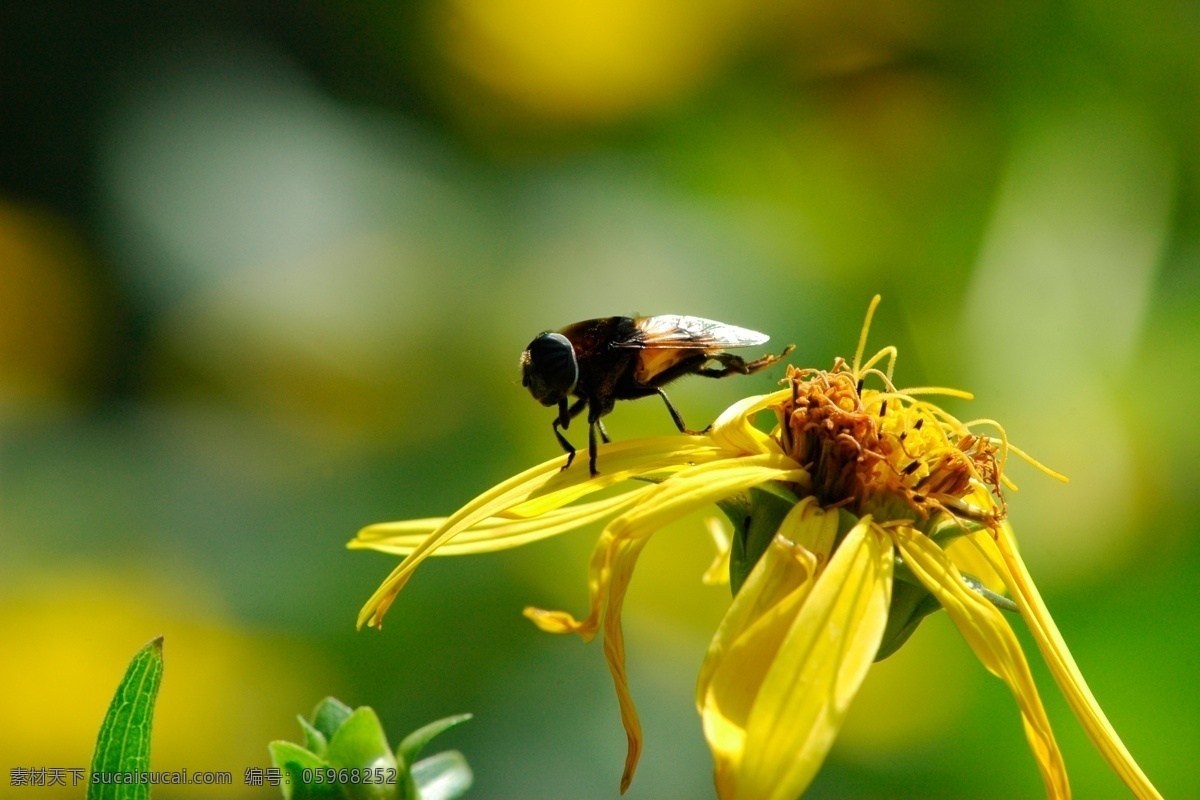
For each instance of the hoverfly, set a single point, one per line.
(600, 361)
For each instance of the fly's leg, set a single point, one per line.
(737, 364)
(595, 411)
(679, 419)
(563, 419)
(603, 433)
(567, 447)
(592, 449)
(731, 364)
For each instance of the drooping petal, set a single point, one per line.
(492, 534)
(817, 671)
(540, 489)
(1002, 553)
(621, 543)
(624, 558)
(994, 643)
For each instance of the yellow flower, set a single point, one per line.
(891, 508)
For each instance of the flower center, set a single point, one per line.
(885, 453)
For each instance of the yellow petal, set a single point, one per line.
(1003, 554)
(685, 491)
(618, 461)
(734, 430)
(818, 669)
(702, 485)
(989, 635)
(540, 489)
(968, 559)
(811, 527)
(717, 573)
(966, 556)
(624, 559)
(492, 534)
(744, 647)
(621, 543)
(554, 621)
(800, 547)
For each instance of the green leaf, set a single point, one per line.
(444, 776)
(412, 745)
(360, 743)
(293, 760)
(329, 715)
(314, 740)
(124, 741)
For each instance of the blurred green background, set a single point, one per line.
(266, 269)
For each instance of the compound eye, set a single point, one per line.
(553, 365)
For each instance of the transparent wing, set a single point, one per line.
(674, 332)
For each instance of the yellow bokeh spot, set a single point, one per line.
(589, 60)
(68, 639)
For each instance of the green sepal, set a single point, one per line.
(293, 760)
(123, 744)
(412, 745)
(846, 523)
(737, 509)
(756, 516)
(943, 528)
(360, 743)
(911, 603)
(314, 740)
(444, 776)
(329, 715)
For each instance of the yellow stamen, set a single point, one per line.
(889, 352)
(862, 337)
